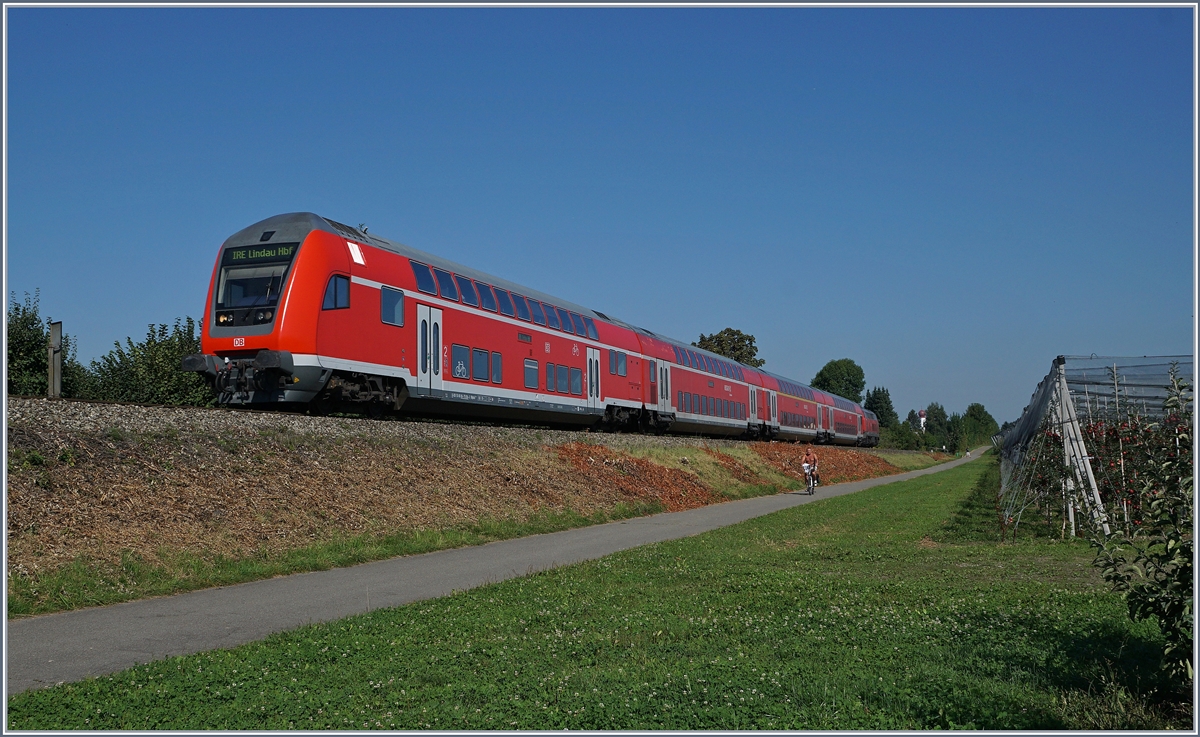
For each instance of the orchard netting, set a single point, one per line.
(1080, 444)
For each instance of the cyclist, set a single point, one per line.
(809, 464)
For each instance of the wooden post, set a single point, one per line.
(54, 362)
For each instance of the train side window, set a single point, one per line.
(577, 381)
(620, 364)
(460, 357)
(679, 401)
(580, 328)
(563, 380)
(549, 376)
(337, 294)
(591, 328)
(687, 401)
(687, 358)
(479, 364)
(446, 284)
(487, 300)
(551, 318)
(653, 372)
(566, 320)
(424, 278)
(486, 297)
(391, 306)
(531, 374)
(522, 306)
(497, 368)
(506, 305)
(535, 309)
(467, 289)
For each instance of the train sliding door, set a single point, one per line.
(593, 362)
(429, 350)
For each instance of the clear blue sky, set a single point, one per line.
(951, 197)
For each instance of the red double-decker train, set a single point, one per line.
(306, 312)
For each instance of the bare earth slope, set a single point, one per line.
(91, 482)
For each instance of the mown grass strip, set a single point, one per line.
(855, 612)
(85, 582)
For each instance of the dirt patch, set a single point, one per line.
(637, 478)
(837, 465)
(926, 543)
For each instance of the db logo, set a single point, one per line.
(575, 349)
(239, 342)
(547, 346)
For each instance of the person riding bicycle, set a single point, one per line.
(809, 464)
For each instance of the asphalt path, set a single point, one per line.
(70, 646)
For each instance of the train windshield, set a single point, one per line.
(254, 276)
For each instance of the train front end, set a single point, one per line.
(254, 339)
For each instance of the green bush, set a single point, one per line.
(28, 338)
(1150, 563)
(149, 371)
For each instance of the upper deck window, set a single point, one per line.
(446, 282)
(551, 318)
(591, 328)
(468, 291)
(521, 305)
(506, 305)
(566, 320)
(487, 300)
(424, 278)
(536, 308)
(577, 321)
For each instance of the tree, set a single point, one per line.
(150, 371)
(842, 377)
(937, 423)
(879, 401)
(28, 338)
(913, 420)
(1151, 563)
(733, 344)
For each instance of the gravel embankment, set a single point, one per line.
(97, 480)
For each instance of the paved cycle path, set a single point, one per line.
(70, 646)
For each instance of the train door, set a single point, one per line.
(664, 387)
(593, 362)
(753, 404)
(774, 407)
(429, 350)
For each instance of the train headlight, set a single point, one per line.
(224, 318)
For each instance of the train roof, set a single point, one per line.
(291, 225)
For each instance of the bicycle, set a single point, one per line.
(813, 477)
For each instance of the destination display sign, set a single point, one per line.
(259, 254)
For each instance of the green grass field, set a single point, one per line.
(885, 609)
